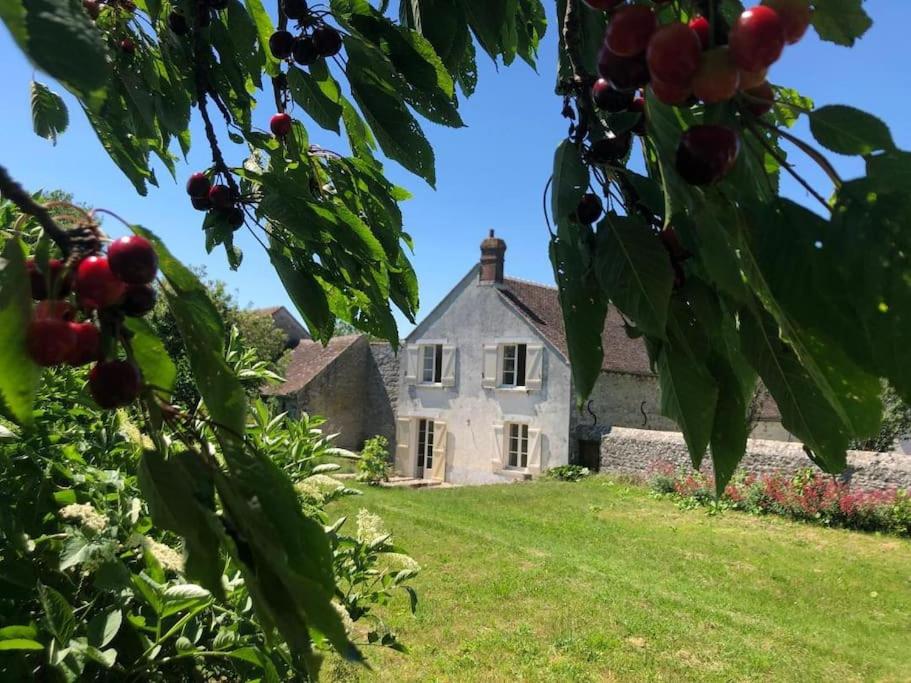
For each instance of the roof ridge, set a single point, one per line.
(532, 282)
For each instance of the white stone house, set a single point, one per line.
(485, 390)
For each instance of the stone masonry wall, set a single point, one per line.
(635, 452)
(382, 392)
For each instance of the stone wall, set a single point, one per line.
(382, 392)
(635, 452)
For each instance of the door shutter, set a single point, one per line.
(449, 363)
(489, 378)
(499, 453)
(534, 449)
(403, 455)
(411, 364)
(440, 441)
(534, 369)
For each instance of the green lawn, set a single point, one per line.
(599, 581)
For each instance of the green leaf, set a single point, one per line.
(57, 613)
(494, 25)
(158, 370)
(203, 334)
(307, 294)
(847, 130)
(49, 114)
(183, 597)
(841, 21)
(398, 133)
(572, 257)
(17, 631)
(891, 171)
(689, 395)
(20, 644)
(805, 412)
(12, 12)
(64, 42)
(634, 271)
(103, 627)
(18, 374)
(318, 94)
(180, 494)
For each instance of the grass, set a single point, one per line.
(599, 581)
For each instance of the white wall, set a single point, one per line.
(470, 317)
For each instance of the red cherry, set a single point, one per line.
(114, 383)
(703, 29)
(589, 209)
(88, 344)
(629, 29)
(49, 341)
(624, 73)
(606, 97)
(221, 197)
(280, 125)
(718, 78)
(54, 308)
(138, 300)
(235, 217)
(603, 5)
(327, 41)
(752, 79)
(295, 9)
(198, 185)
(673, 95)
(201, 203)
(760, 99)
(133, 259)
(611, 149)
(304, 51)
(673, 54)
(794, 14)
(96, 284)
(707, 153)
(638, 106)
(280, 44)
(127, 46)
(757, 38)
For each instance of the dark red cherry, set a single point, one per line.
(327, 41)
(589, 209)
(198, 185)
(88, 344)
(757, 38)
(133, 259)
(629, 30)
(49, 341)
(623, 73)
(96, 285)
(673, 54)
(138, 300)
(114, 383)
(606, 97)
(707, 153)
(280, 44)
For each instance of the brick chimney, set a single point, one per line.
(493, 255)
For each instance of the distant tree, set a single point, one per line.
(896, 424)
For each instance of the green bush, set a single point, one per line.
(568, 472)
(373, 467)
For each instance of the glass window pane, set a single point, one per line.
(438, 364)
(422, 440)
(427, 367)
(522, 357)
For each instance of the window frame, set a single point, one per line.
(436, 364)
(519, 365)
(522, 441)
(424, 445)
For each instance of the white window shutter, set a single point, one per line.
(499, 441)
(449, 365)
(403, 454)
(440, 440)
(489, 379)
(534, 449)
(534, 368)
(411, 364)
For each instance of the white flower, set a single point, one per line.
(87, 516)
(316, 487)
(400, 562)
(168, 558)
(370, 527)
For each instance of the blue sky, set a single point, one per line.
(490, 175)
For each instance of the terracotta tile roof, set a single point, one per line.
(540, 304)
(308, 360)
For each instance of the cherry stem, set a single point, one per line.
(13, 191)
(809, 150)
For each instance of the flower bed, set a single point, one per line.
(809, 495)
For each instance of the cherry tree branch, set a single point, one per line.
(13, 191)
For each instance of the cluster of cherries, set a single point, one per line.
(93, 8)
(315, 40)
(687, 63)
(218, 197)
(104, 287)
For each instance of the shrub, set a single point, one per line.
(808, 495)
(373, 466)
(568, 472)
